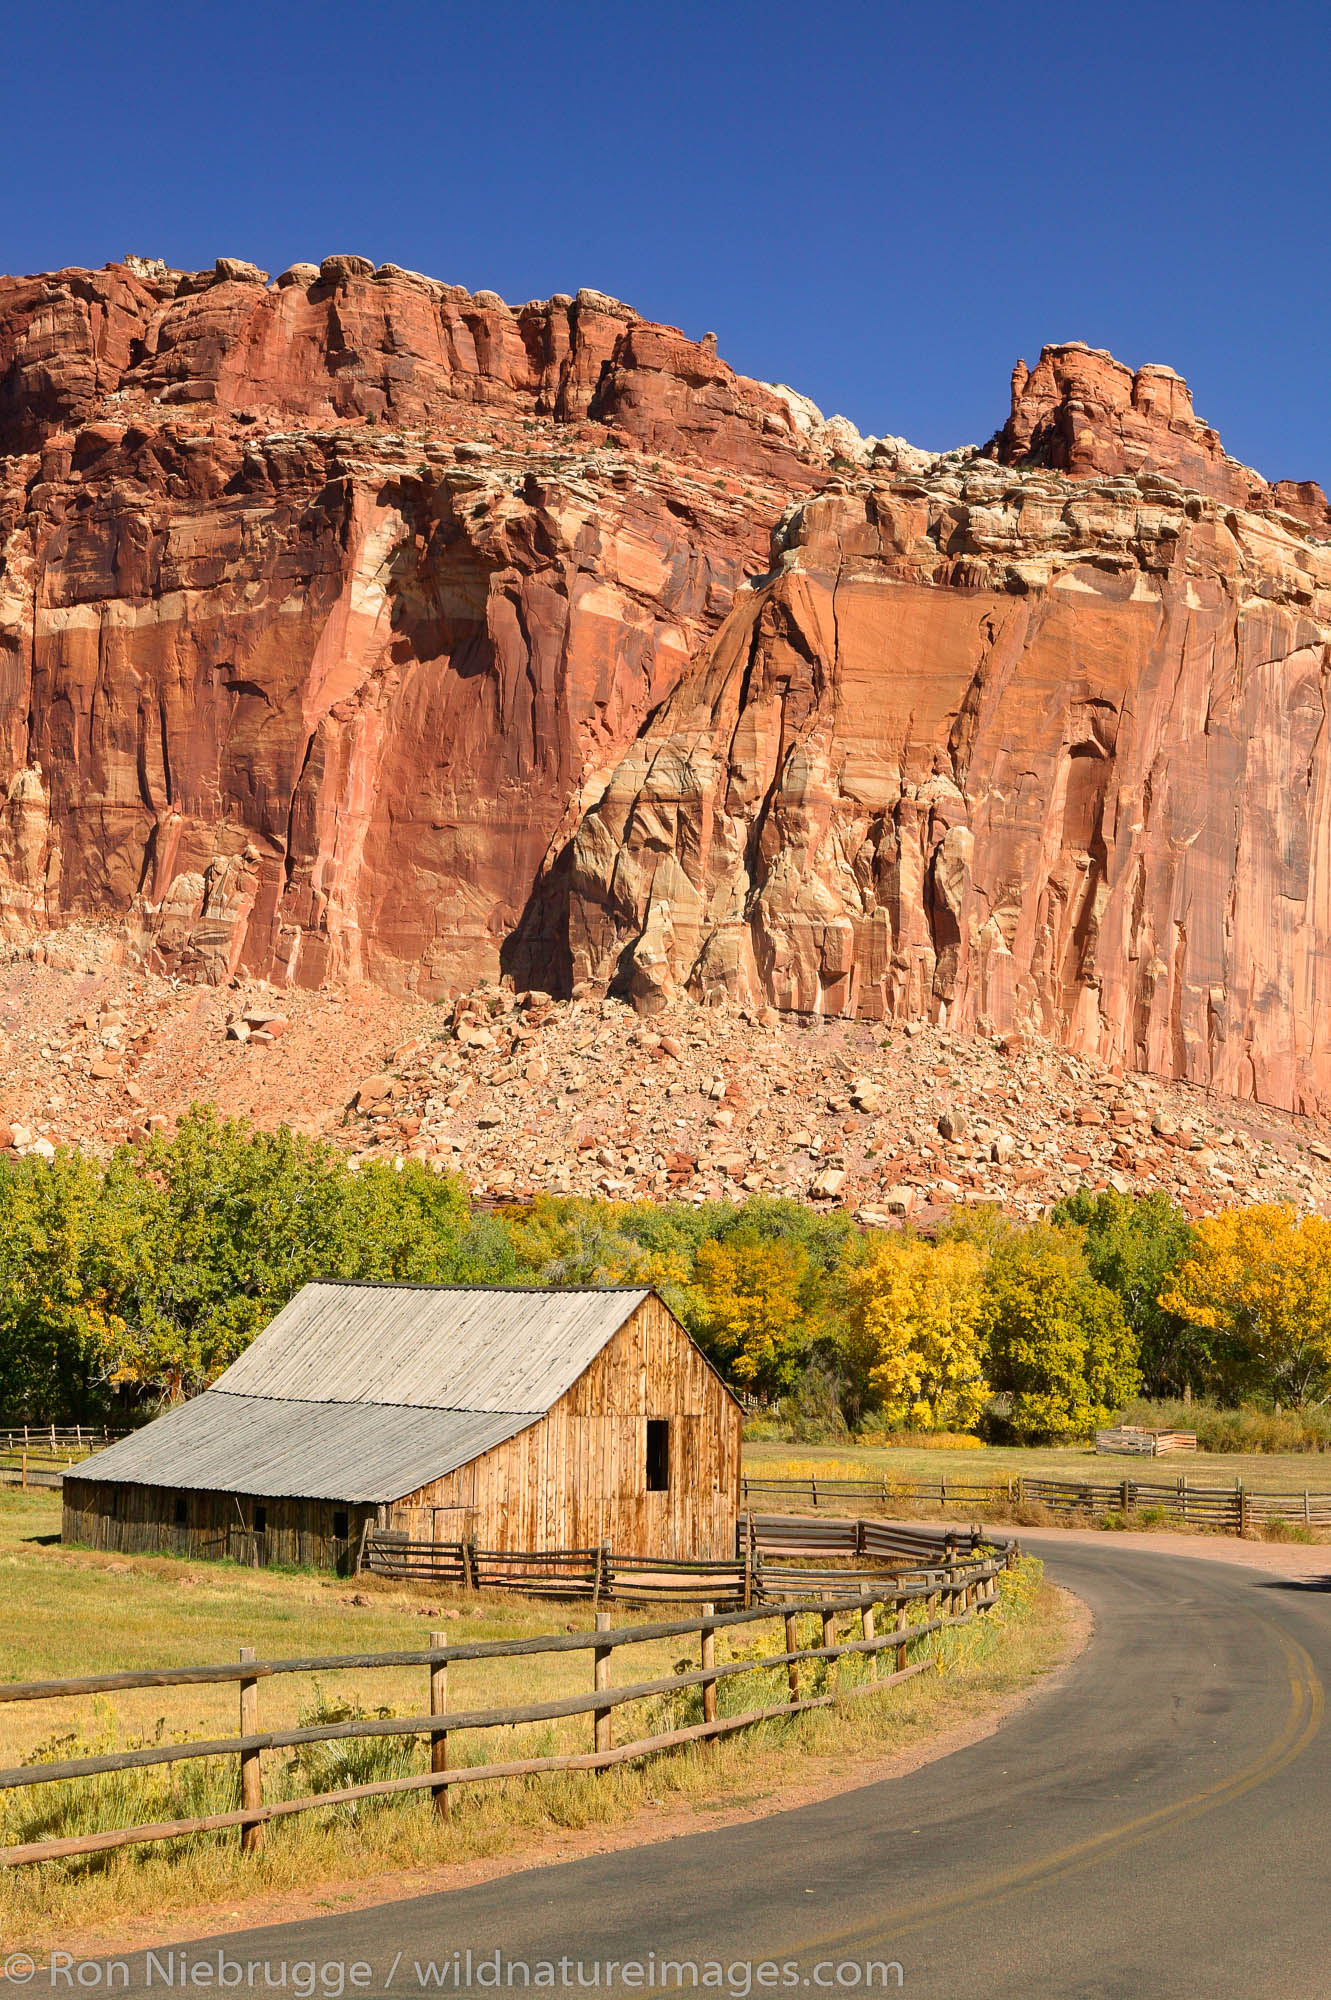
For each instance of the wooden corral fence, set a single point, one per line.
(597, 1574)
(913, 1611)
(1134, 1441)
(37, 1455)
(1228, 1509)
(876, 1549)
(603, 1577)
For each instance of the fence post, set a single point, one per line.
(708, 1661)
(814, 1484)
(601, 1736)
(1123, 1497)
(251, 1765)
(439, 1737)
(23, 1475)
(867, 1632)
(1307, 1511)
(1245, 1508)
(829, 1639)
(599, 1577)
(901, 1626)
(792, 1666)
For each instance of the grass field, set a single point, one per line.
(1275, 1472)
(73, 1612)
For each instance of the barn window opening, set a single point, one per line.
(261, 1520)
(658, 1454)
(182, 1514)
(341, 1529)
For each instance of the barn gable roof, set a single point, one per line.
(436, 1347)
(364, 1392)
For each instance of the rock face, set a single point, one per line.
(1082, 412)
(321, 602)
(357, 627)
(999, 751)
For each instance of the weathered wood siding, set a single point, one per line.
(134, 1519)
(578, 1476)
(573, 1479)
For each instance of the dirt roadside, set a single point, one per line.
(1275, 1558)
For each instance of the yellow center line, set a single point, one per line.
(1307, 1705)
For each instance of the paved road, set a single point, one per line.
(1154, 1829)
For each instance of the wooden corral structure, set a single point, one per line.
(513, 1418)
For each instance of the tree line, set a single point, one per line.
(126, 1285)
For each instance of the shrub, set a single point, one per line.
(350, 1760)
(1246, 1429)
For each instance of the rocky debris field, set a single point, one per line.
(523, 1094)
(94, 1051)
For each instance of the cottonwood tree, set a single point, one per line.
(1258, 1280)
(1059, 1346)
(916, 1327)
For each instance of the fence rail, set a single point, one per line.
(37, 1455)
(58, 1437)
(595, 1574)
(951, 1596)
(603, 1577)
(1231, 1509)
(1135, 1441)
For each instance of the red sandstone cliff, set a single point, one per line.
(358, 626)
(322, 600)
(1082, 412)
(1007, 749)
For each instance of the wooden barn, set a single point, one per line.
(516, 1419)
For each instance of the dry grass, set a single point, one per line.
(77, 1612)
(1270, 1472)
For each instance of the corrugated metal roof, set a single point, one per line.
(431, 1347)
(359, 1452)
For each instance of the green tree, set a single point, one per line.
(1134, 1243)
(228, 1223)
(66, 1257)
(1059, 1346)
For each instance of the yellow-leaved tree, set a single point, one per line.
(1259, 1282)
(751, 1307)
(916, 1317)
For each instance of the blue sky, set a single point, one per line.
(882, 205)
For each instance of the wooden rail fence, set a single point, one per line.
(603, 1577)
(914, 1610)
(37, 1455)
(1231, 1509)
(597, 1574)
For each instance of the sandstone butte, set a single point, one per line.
(354, 627)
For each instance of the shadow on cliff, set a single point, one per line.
(536, 952)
